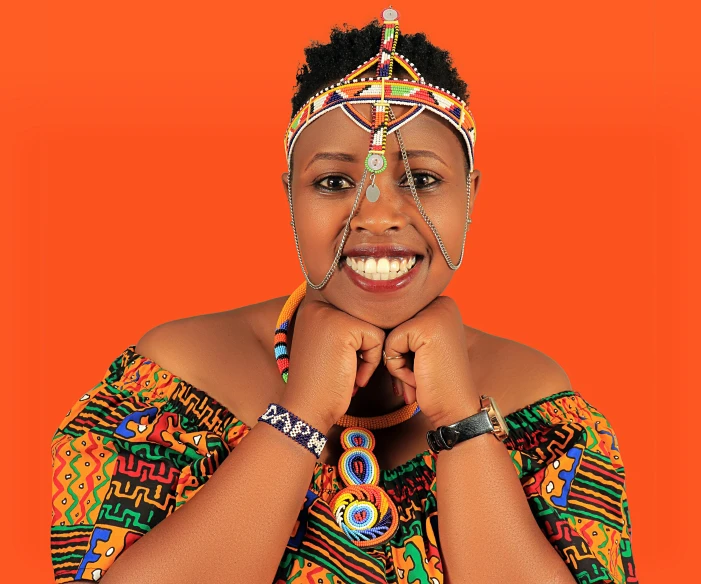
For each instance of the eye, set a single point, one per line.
(422, 180)
(333, 182)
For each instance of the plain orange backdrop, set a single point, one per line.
(141, 147)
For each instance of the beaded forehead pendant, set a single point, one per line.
(380, 91)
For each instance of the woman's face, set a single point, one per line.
(324, 189)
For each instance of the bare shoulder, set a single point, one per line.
(514, 374)
(182, 345)
(216, 352)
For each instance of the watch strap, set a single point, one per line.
(445, 437)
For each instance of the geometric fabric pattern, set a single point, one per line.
(142, 442)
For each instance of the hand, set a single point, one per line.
(325, 371)
(441, 380)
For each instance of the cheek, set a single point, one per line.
(448, 215)
(320, 226)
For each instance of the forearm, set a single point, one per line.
(235, 528)
(487, 531)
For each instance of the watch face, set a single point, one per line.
(500, 428)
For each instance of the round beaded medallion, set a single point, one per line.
(362, 510)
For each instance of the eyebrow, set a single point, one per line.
(345, 157)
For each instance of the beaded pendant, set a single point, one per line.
(362, 510)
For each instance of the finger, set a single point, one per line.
(371, 350)
(397, 386)
(410, 370)
(408, 376)
(397, 344)
(409, 373)
(399, 368)
(409, 394)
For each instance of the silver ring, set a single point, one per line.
(386, 358)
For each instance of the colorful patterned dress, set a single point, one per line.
(142, 442)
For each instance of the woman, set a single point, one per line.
(365, 403)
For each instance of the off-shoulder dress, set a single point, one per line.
(142, 442)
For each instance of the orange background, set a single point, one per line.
(140, 162)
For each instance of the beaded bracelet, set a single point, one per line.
(297, 429)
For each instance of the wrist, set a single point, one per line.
(466, 424)
(307, 412)
(294, 427)
(460, 411)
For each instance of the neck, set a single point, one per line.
(376, 398)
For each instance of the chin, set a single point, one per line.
(379, 316)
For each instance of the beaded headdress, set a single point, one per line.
(380, 91)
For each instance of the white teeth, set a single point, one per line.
(385, 268)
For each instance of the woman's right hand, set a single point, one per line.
(324, 366)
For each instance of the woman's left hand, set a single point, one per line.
(441, 381)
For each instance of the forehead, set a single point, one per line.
(335, 131)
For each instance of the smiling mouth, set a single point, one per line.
(383, 268)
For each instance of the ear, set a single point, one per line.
(475, 177)
(285, 177)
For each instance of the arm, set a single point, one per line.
(154, 440)
(487, 530)
(564, 517)
(236, 528)
(569, 467)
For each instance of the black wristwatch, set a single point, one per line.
(488, 419)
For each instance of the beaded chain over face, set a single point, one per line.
(362, 509)
(380, 92)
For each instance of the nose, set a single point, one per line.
(388, 212)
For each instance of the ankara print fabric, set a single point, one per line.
(142, 442)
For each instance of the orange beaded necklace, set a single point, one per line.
(363, 510)
(379, 422)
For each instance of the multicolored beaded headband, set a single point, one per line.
(379, 92)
